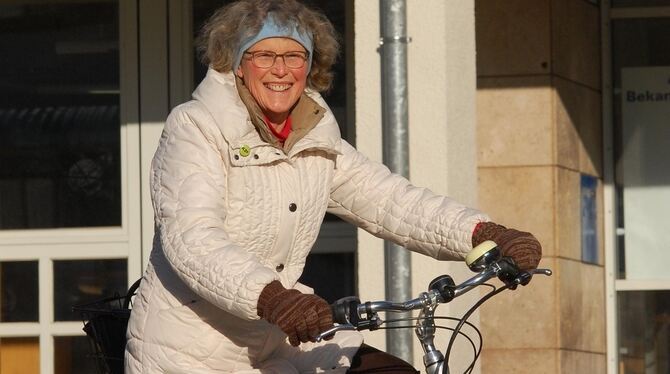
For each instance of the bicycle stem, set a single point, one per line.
(425, 329)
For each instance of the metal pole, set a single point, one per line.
(396, 155)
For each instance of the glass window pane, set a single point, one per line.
(644, 332)
(19, 292)
(82, 281)
(332, 275)
(640, 139)
(73, 355)
(20, 355)
(59, 114)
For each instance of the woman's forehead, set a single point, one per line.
(277, 44)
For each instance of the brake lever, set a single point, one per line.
(333, 330)
(546, 272)
(524, 277)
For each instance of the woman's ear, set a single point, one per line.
(239, 71)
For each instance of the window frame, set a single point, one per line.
(120, 242)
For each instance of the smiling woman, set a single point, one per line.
(277, 87)
(242, 178)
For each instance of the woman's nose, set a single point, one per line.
(279, 68)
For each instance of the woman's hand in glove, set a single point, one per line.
(301, 316)
(521, 246)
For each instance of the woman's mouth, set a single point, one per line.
(278, 87)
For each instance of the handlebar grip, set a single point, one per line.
(345, 310)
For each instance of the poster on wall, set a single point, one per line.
(645, 107)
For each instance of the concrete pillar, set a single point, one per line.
(539, 130)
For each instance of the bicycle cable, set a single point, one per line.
(465, 318)
(472, 343)
(476, 349)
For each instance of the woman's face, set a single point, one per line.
(277, 88)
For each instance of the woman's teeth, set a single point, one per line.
(278, 87)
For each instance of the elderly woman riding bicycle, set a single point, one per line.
(240, 183)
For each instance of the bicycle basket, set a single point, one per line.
(105, 323)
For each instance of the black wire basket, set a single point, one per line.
(105, 323)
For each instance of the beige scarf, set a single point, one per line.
(304, 117)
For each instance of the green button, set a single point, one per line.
(244, 151)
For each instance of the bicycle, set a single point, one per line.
(349, 313)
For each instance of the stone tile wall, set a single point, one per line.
(539, 128)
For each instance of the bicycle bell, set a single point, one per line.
(482, 256)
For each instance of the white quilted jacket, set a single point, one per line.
(234, 213)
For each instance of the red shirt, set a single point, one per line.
(284, 132)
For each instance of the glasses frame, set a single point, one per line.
(303, 54)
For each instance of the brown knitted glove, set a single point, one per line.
(301, 316)
(521, 246)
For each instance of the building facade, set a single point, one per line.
(553, 116)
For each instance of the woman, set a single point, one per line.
(241, 180)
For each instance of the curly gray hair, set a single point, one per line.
(222, 34)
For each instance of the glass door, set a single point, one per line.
(640, 76)
(69, 176)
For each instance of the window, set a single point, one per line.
(641, 142)
(59, 115)
(641, 71)
(68, 231)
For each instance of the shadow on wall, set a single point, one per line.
(522, 47)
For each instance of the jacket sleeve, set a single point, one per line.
(188, 187)
(388, 206)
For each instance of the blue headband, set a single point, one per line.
(271, 29)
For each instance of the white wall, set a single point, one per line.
(442, 85)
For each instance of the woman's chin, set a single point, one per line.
(281, 110)
(276, 115)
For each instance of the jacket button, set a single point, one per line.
(236, 157)
(256, 157)
(279, 268)
(292, 207)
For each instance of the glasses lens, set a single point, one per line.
(266, 59)
(263, 59)
(294, 60)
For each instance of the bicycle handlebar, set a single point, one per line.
(485, 260)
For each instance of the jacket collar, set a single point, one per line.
(238, 117)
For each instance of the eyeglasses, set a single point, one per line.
(267, 59)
